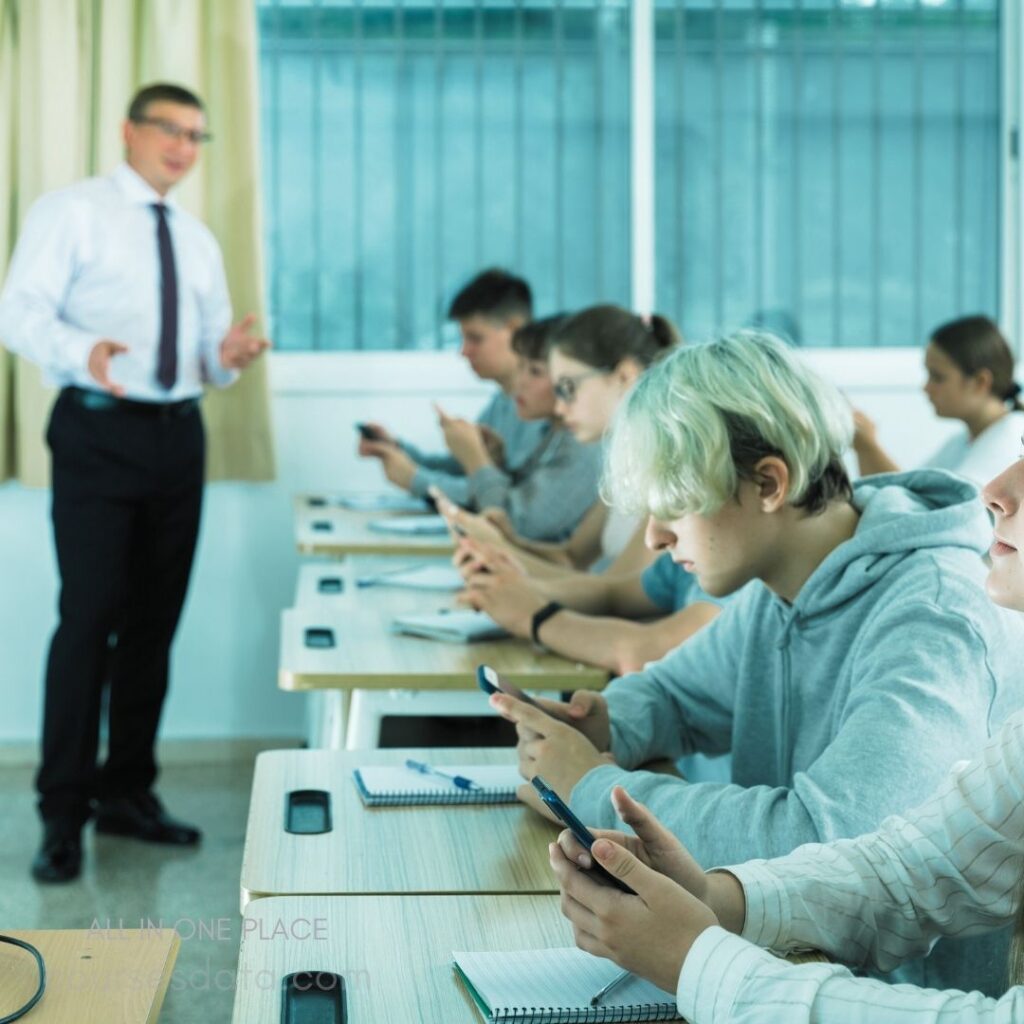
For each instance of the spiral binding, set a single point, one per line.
(398, 797)
(586, 1015)
(439, 797)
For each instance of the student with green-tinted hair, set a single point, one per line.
(859, 644)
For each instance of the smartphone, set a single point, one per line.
(368, 432)
(490, 682)
(582, 834)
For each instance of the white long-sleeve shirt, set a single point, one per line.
(951, 867)
(87, 268)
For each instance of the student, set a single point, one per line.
(862, 646)
(548, 494)
(488, 309)
(596, 357)
(951, 867)
(970, 378)
(591, 617)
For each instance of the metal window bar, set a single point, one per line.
(317, 160)
(718, 166)
(916, 187)
(835, 31)
(679, 110)
(876, 176)
(358, 311)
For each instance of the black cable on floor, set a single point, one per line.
(18, 1014)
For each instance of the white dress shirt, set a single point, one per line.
(87, 268)
(950, 867)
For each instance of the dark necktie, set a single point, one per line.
(167, 354)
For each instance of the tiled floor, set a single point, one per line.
(194, 891)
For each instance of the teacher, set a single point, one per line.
(120, 296)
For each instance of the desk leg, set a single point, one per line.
(326, 719)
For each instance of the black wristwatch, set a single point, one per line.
(540, 616)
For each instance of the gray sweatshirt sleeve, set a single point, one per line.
(951, 867)
(549, 501)
(900, 711)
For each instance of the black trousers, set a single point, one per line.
(127, 492)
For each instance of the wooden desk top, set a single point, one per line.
(366, 654)
(330, 530)
(487, 848)
(394, 952)
(92, 976)
(310, 591)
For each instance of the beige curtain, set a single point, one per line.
(67, 71)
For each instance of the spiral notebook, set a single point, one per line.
(410, 526)
(440, 578)
(551, 986)
(389, 786)
(381, 502)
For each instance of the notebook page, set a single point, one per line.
(551, 979)
(459, 626)
(380, 502)
(380, 779)
(424, 577)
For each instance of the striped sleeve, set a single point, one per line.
(952, 867)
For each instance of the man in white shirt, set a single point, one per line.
(120, 296)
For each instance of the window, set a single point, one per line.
(408, 145)
(827, 167)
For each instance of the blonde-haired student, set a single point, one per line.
(951, 867)
(858, 646)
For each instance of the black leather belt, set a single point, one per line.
(100, 401)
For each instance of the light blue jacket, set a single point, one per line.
(840, 709)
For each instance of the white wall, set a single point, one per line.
(225, 659)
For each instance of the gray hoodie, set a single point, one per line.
(841, 708)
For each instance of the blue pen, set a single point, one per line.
(426, 769)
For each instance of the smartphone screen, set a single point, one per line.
(583, 835)
(490, 682)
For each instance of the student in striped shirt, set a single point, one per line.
(951, 867)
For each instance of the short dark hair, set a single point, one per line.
(161, 91)
(493, 293)
(533, 339)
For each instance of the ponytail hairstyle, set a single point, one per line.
(533, 339)
(698, 423)
(975, 343)
(603, 336)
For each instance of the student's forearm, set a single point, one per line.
(727, 980)
(591, 639)
(617, 644)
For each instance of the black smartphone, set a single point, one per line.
(313, 996)
(583, 834)
(490, 682)
(369, 433)
(319, 637)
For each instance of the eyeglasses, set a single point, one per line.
(567, 388)
(175, 131)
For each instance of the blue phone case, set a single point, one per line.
(583, 834)
(508, 689)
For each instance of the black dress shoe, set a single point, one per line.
(60, 857)
(142, 817)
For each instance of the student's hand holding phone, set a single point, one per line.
(371, 437)
(649, 933)
(463, 523)
(561, 742)
(397, 466)
(464, 441)
(475, 556)
(505, 594)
